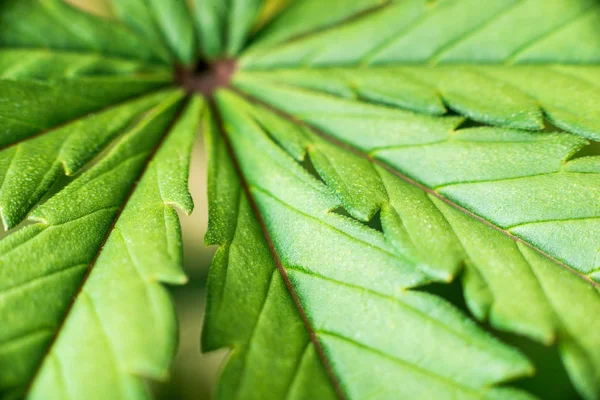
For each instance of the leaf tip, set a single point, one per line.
(5, 223)
(9, 221)
(151, 372)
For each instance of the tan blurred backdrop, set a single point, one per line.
(194, 375)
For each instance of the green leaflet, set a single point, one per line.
(392, 57)
(221, 28)
(224, 26)
(549, 293)
(94, 328)
(490, 172)
(29, 169)
(356, 343)
(515, 97)
(242, 14)
(54, 24)
(173, 17)
(27, 106)
(33, 81)
(304, 16)
(422, 31)
(138, 16)
(49, 65)
(410, 37)
(210, 17)
(270, 10)
(244, 256)
(163, 22)
(534, 297)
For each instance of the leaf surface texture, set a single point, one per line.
(366, 159)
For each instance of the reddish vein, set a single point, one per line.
(311, 332)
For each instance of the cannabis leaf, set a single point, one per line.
(500, 204)
(423, 240)
(362, 156)
(80, 291)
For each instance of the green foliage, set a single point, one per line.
(365, 156)
(423, 240)
(505, 176)
(55, 25)
(516, 97)
(30, 168)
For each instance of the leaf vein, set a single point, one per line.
(11, 290)
(396, 360)
(518, 52)
(389, 298)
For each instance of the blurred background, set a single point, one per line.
(194, 375)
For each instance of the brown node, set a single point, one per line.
(205, 77)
